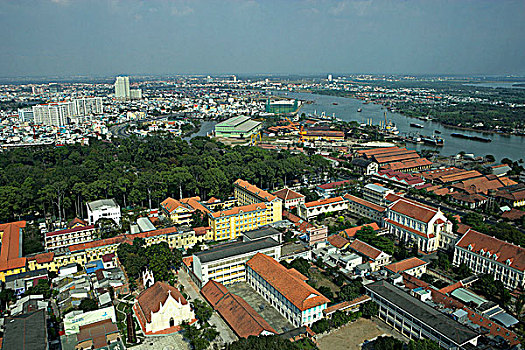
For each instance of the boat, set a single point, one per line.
(433, 140)
(416, 125)
(437, 131)
(335, 103)
(413, 139)
(359, 110)
(469, 137)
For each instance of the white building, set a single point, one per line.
(290, 198)
(377, 258)
(103, 208)
(420, 224)
(376, 193)
(226, 263)
(26, 115)
(484, 254)
(122, 91)
(161, 309)
(53, 114)
(416, 319)
(329, 205)
(286, 290)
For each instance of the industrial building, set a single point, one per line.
(237, 127)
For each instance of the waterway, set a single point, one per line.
(500, 85)
(502, 146)
(204, 130)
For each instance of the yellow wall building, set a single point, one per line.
(11, 259)
(246, 193)
(229, 224)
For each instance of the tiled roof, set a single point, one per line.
(287, 194)
(76, 221)
(44, 257)
(468, 198)
(513, 214)
(195, 204)
(239, 315)
(297, 291)
(337, 241)
(254, 190)
(11, 251)
(413, 209)
(409, 229)
(371, 152)
(70, 230)
(236, 210)
(350, 232)
(513, 193)
(500, 251)
(326, 201)
(170, 204)
(346, 304)
(408, 164)
(364, 202)
(365, 249)
(450, 288)
(460, 175)
(151, 299)
(97, 332)
(405, 265)
(483, 184)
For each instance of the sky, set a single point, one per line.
(110, 37)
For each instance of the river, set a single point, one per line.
(502, 146)
(206, 127)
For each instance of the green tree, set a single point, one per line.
(202, 311)
(88, 305)
(302, 265)
(423, 344)
(388, 343)
(369, 309)
(41, 288)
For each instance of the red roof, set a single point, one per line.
(287, 194)
(501, 251)
(365, 249)
(337, 241)
(409, 229)
(350, 232)
(364, 202)
(11, 251)
(294, 289)
(262, 194)
(150, 300)
(404, 265)
(70, 230)
(239, 315)
(236, 210)
(513, 214)
(413, 209)
(324, 202)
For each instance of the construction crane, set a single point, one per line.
(254, 137)
(301, 131)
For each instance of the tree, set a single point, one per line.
(88, 305)
(463, 271)
(302, 265)
(350, 291)
(160, 260)
(41, 288)
(321, 326)
(326, 291)
(369, 309)
(202, 311)
(387, 343)
(273, 342)
(423, 344)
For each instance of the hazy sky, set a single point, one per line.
(68, 37)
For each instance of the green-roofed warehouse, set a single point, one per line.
(238, 127)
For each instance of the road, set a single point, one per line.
(192, 290)
(119, 130)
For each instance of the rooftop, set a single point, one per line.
(233, 249)
(262, 194)
(11, 241)
(405, 265)
(261, 232)
(288, 283)
(99, 204)
(326, 201)
(152, 298)
(415, 210)
(436, 320)
(26, 331)
(365, 249)
(364, 202)
(287, 194)
(239, 210)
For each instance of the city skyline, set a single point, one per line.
(246, 37)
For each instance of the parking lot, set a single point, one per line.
(271, 315)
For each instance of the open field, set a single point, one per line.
(350, 337)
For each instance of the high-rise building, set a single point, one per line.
(26, 114)
(135, 94)
(58, 114)
(122, 91)
(330, 78)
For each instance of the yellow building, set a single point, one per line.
(87, 252)
(324, 135)
(229, 224)
(246, 193)
(180, 212)
(11, 259)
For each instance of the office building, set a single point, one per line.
(286, 290)
(417, 320)
(484, 254)
(26, 115)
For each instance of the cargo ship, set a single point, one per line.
(433, 140)
(469, 137)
